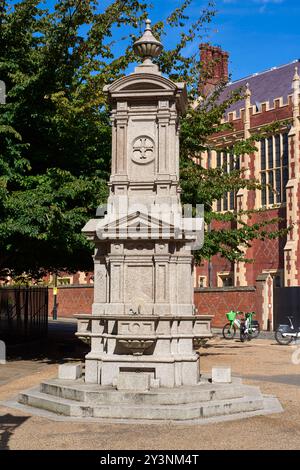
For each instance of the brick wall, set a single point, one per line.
(72, 300)
(219, 301)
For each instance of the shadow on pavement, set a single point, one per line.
(233, 345)
(60, 345)
(8, 424)
(288, 379)
(207, 354)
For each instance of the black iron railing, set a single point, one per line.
(23, 312)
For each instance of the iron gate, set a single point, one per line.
(286, 302)
(23, 313)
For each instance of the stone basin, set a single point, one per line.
(137, 346)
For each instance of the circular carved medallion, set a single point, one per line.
(134, 327)
(143, 150)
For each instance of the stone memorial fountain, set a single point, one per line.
(142, 363)
(143, 313)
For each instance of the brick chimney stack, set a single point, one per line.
(214, 64)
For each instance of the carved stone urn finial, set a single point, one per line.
(147, 47)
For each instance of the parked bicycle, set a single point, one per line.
(249, 326)
(286, 333)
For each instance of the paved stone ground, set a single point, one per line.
(261, 362)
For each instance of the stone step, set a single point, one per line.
(56, 405)
(183, 412)
(189, 411)
(93, 394)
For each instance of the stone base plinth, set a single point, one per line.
(221, 374)
(161, 346)
(198, 403)
(133, 381)
(170, 371)
(69, 371)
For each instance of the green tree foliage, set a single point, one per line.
(55, 130)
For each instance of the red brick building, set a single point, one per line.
(272, 95)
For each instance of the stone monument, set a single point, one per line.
(143, 325)
(143, 317)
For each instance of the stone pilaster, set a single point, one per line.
(292, 247)
(242, 195)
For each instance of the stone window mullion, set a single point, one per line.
(273, 166)
(226, 161)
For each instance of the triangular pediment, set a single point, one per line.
(138, 221)
(138, 225)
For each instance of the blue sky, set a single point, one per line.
(258, 34)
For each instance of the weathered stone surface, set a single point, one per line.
(197, 403)
(221, 374)
(2, 352)
(69, 371)
(133, 381)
